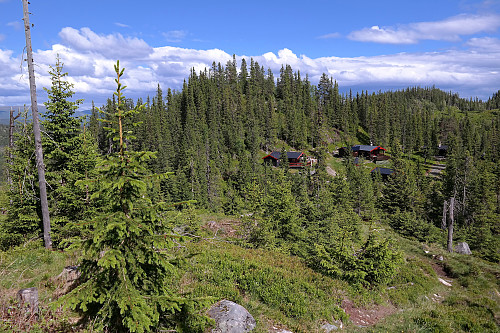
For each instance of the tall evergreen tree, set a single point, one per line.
(70, 156)
(127, 261)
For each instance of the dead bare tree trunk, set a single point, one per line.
(12, 125)
(450, 225)
(445, 212)
(36, 131)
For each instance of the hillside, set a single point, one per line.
(283, 292)
(167, 206)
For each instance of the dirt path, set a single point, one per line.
(364, 317)
(331, 172)
(436, 169)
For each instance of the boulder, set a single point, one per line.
(29, 296)
(463, 248)
(231, 318)
(328, 328)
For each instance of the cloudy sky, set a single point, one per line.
(374, 45)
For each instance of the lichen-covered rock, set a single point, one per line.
(231, 318)
(463, 248)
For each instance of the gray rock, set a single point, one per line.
(29, 296)
(231, 318)
(332, 327)
(463, 248)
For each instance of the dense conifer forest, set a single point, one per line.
(170, 159)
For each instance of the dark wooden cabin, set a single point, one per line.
(442, 150)
(367, 151)
(375, 153)
(384, 172)
(296, 159)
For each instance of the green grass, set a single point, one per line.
(472, 304)
(32, 266)
(282, 291)
(274, 287)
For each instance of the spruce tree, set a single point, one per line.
(70, 156)
(128, 260)
(23, 218)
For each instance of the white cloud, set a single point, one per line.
(115, 45)
(17, 25)
(175, 36)
(448, 30)
(89, 59)
(484, 44)
(330, 35)
(121, 25)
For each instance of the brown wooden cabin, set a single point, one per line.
(367, 151)
(296, 159)
(375, 153)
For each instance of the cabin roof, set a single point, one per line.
(290, 155)
(383, 171)
(365, 148)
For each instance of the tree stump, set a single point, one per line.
(29, 296)
(66, 281)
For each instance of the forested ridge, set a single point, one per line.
(207, 142)
(214, 132)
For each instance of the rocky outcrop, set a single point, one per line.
(328, 328)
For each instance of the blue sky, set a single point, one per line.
(454, 45)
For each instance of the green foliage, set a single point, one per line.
(374, 263)
(264, 282)
(70, 156)
(279, 225)
(23, 220)
(408, 224)
(129, 257)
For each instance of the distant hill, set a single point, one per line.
(4, 112)
(4, 135)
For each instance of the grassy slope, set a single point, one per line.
(281, 291)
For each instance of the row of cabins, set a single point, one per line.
(296, 159)
(377, 153)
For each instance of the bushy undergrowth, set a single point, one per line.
(270, 284)
(409, 225)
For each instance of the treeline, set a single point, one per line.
(212, 134)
